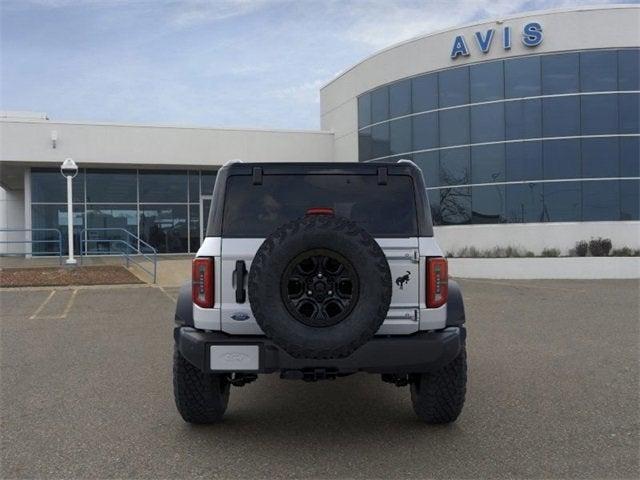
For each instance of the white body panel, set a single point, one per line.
(407, 261)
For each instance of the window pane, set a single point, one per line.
(561, 116)
(425, 131)
(599, 114)
(561, 159)
(488, 204)
(523, 119)
(105, 186)
(429, 163)
(425, 92)
(598, 71)
(562, 201)
(194, 227)
(454, 166)
(487, 123)
(560, 73)
(163, 186)
(523, 161)
(194, 186)
(600, 200)
(208, 180)
(629, 112)
(255, 211)
(629, 69)
(365, 145)
(400, 98)
(454, 127)
(454, 87)
(524, 203)
(600, 157)
(55, 216)
(400, 135)
(115, 218)
(48, 185)
(630, 200)
(380, 140)
(379, 105)
(434, 204)
(487, 82)
(630, 157)
(487, 163)
(455, 206)
(364, 110)
(522, 77)
(164, 227)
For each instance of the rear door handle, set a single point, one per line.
(241, 271)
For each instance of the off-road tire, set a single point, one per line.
(201, 398)
(339, 235)
(438, 397)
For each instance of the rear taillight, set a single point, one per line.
(437, 282)
(202, 282)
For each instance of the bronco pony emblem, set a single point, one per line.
(400, 281)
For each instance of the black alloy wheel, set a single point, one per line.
(320, 287)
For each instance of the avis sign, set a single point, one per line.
(531, 37)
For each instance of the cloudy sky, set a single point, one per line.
(251, 63)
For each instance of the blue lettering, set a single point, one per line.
(506, 38)
(532, 34)
(459, 47)
(485, 42)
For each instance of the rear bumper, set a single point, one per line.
(400, 354)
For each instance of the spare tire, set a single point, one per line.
(320, 287)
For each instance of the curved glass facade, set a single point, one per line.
(541, 138)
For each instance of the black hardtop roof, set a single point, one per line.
(425, 226)
(336, 168)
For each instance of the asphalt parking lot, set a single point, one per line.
(553, 392)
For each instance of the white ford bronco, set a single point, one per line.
(318, 271)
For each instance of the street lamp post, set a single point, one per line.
(69, 169)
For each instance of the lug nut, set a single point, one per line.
(309, 292)
(330, 292)
(319, 275)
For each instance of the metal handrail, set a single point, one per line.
(32, 241)
(149, 256)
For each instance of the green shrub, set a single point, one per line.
(581, 248)
(495, 252)
(600, 247)
(550, 252)
(624, 252)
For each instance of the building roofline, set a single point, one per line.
(480, 22)
(167, 126)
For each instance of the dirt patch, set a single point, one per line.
(60, 276)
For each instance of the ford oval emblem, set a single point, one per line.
(240, 316)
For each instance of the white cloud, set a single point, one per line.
(379, 23)
(305, 93)
(193, 12)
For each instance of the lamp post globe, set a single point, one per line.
(69, 169)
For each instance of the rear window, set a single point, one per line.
(257, 210)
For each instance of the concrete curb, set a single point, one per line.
(578, 268)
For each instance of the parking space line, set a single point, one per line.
(167, 294)
(42, 305)
(69, 304)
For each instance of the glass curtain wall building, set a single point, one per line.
(164, 208)
(539, 138)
